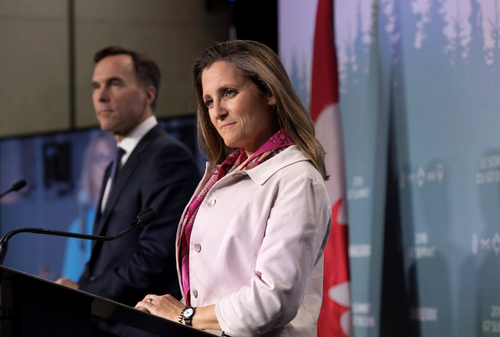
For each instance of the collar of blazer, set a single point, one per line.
(267, 169)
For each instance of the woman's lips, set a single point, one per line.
(223, 126)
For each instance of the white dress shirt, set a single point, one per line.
(129, 143)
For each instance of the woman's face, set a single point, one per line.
(243, 118)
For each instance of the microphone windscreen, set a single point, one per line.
(18, 185)
(144, 211)
(146, 216)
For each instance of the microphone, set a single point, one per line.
(16, 187)
(144, 218)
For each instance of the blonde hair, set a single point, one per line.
(262, 66)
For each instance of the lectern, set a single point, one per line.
(34, 307)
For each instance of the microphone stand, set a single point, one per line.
(144, 218)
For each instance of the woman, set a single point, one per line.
(250, 243)
(98, 154)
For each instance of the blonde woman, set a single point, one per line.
(250, 242)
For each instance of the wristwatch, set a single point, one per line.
(188, 314)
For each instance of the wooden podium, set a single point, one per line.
(34, 307)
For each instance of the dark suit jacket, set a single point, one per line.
(162, 174)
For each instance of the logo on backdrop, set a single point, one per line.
(489, 170)
(422, 177)
(424, 314)
(492, 325)
(486, 244)
(357, 189)
(362, 315)
(422, 248)
(360, 250)
(487, 180)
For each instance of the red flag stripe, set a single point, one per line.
(335, 316)
(330, 319)
(325, 81)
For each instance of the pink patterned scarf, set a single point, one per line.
(235, 161)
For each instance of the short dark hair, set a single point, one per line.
(146, 69)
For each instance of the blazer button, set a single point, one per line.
(211, 202)
(195, 293)
(197, 247)
(92, 278)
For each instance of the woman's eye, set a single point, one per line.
(230, 92)
(209, 102)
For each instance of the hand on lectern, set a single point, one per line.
(165, 306)
(67, 282)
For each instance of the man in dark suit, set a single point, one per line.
(155, 171)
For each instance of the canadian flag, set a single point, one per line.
(335, 317)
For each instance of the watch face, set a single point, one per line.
(188, 312)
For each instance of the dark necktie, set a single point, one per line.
(115, 167)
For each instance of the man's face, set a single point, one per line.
(121, 102)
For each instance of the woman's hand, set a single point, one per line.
(168, 307)
(165, 306)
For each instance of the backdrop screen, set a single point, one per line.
(64, 174)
